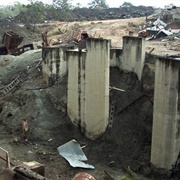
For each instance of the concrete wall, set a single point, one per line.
(133, 54)
(116, 57)
(54, 63)
(131, 58)
(88, 87)
(166, 120)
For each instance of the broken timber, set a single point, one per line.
(115, 88)
(20, 173)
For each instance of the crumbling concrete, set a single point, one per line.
(88, 87)
(166, 129)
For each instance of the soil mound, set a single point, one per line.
(79, 14)
(111, 13)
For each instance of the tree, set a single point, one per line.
(10, 10)
(18, 6)
(78, 6)
(127, 4)
(63, 7)
(35, 12)
(98, 4)
(62, 4)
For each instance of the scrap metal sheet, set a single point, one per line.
(73, 153)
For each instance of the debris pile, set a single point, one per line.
(157, 30)
(8, 24)
(11, 42)
(166, 24)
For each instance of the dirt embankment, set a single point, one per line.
(111, 13)
(81, 14)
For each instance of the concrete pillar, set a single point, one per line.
(88, 87)
(76, 79)
(133, 54)
(166, 120)
(54, 63)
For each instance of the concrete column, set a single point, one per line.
(166, 120)
(76, 79)
(54, 63)
(133, 54)
(88, 87)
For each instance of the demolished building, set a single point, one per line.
(130, 58)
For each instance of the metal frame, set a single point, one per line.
(7, 157)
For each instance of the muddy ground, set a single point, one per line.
(127, 144)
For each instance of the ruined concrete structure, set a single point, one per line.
(88, 90)
(54, 63)
(133, 54)
(88, 87)
(88, 78)
(131, 57)
(166, 119)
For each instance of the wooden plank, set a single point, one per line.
(25, 172)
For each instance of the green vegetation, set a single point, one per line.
(61, 9)
(35, 12)
(127, 4)
(98, 4)
(11, 11)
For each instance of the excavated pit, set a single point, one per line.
(128, 143)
